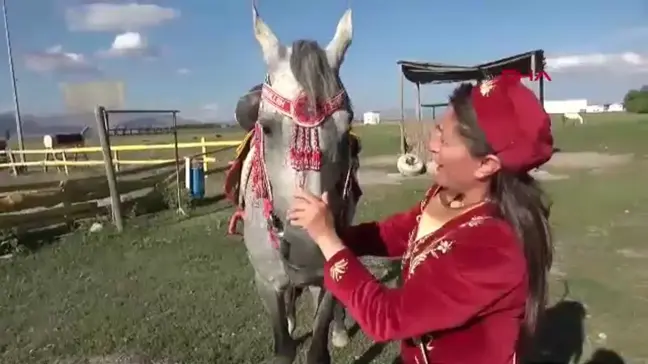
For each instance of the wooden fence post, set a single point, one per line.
(116, 160)
(102, 125)
(64, 188)
(203, 150)
(12, 160)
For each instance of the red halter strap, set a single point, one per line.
(298, 109)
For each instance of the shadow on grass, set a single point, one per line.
(561, 335)
(559, 341)
(605, 356)
(32, 241)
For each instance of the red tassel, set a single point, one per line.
(236, 217)
(267, 208)
(274, 240)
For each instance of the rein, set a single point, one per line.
(305, 153)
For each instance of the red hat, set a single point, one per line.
(514, 122)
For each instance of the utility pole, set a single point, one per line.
(19, 131)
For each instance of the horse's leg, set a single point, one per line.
(273, 298)
(340, 337)
(271, 280)
(292, 294)
(323, 302)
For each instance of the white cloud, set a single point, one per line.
(117, 17)
(55, 59)
(624, 62)
(183, 71)
(129, 44)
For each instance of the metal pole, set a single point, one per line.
(402, 110)
(115, 200)
(177, 163)
(19, 131)
(419, 116)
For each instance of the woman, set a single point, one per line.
(475, 252)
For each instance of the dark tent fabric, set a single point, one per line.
(425, 72)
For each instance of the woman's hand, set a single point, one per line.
(313, 215)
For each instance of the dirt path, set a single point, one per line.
(381, 170)
(588, 160)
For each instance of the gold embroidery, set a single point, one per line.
(444, 246)
(413, 245)
(416, 256)
(338, 269)
(439, 246)
(486, 87)
(475, 221)
(429, 345)
(424, 348)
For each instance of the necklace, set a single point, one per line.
(455, 202)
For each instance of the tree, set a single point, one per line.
(637, 100)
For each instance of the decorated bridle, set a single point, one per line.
(305, 153)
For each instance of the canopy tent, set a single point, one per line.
(420, 73)
(529, 63)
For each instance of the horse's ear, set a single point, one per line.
(338, 46)
(270, 45)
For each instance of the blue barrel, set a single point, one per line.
(197, 180)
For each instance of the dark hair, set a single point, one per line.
(521, 202)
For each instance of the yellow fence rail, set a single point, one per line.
(115, 149)
(131, 147)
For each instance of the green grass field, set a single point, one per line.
(179, 289)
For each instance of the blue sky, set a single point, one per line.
(201, 55)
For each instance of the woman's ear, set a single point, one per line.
(488, 167)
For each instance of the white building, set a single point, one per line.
(595, 108)
(565, 106)
(371, 118)
(616, 107)
(579, 106)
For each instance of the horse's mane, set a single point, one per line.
(309, 65)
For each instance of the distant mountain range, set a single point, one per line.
(34, 125)
(38, 125)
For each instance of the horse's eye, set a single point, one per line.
(266, 130)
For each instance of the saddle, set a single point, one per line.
(234, 174)
(246, 115)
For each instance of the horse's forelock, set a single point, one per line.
(310, 67)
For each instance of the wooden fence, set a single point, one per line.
(28, 206)
(60, 157)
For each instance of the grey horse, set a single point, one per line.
(301, 139)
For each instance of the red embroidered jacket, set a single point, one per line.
(464, 287)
